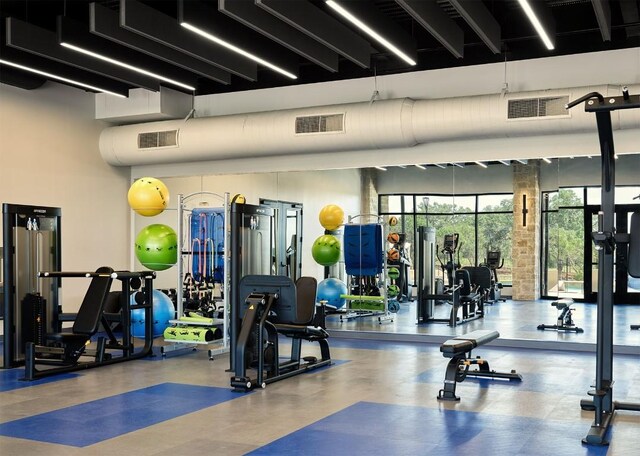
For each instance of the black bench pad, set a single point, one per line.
(467, 342)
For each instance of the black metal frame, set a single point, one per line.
(603, 405)
(125, 345)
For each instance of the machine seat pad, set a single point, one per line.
(463, 344)
(470, 297)
(67, 338)
(304, 332)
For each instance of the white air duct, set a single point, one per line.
(356, 126)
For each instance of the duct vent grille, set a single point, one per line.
(156, 139)
(320, 124)
(537, 107)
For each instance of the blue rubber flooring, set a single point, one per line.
(92, 422)
(10, 379)
(370, 429)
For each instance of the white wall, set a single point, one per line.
(49, 156)
(592, 69)
(313, 189)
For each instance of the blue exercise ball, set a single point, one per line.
(163, 311)
(330, 290)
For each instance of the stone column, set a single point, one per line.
(368, 191)
(526, 239)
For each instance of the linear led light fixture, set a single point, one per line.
(522, 162)
(483, 165)
(536, 24)
(381, 168)
(459, 165)
(369, 31)
(420, 166)
(236, 49)
(58, 78)
(505, 162)
(125, 65)
(546, 160)
(441, 166)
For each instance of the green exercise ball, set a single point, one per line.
(393, 273)
(326, 250)
(393, 291)
(157, 247)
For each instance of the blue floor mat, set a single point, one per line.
(92, 422)
(371, 429)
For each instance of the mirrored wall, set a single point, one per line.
(478, 201)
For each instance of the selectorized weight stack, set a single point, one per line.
(32, 243)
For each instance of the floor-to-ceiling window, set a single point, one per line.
(484, 223)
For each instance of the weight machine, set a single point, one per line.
(605, 240)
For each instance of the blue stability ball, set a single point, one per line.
(163, 311)
(330, 290)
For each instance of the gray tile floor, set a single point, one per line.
(385, 373)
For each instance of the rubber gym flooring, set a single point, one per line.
(379, 398)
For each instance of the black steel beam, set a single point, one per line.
(315, 23)
(481, 21)
(106, 24)
(603, 13)
(77, 34)
(433, 19)
(36, 40)
(247, 13)
(152, 24)
(225, 28)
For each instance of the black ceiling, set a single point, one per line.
(308, 39)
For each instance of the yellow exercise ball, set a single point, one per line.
(148, 196)
(331, 217)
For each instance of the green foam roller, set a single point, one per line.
(363, 298)
(200, 334)
(195, 318)
(171, 333)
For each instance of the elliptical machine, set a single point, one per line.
(494, 262)
(450, 247)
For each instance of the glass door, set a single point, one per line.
(626, 289)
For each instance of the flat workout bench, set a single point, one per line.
(459, 350)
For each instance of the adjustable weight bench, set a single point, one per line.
(459, 350)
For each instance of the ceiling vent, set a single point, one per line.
(155, 139)
(331, 123)
(527, 108)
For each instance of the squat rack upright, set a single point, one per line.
(605, 242)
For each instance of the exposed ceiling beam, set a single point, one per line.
(106, 23)
(76, 35)
(225, 29)
(432, 18)
(323, 28)
(28, 80)
(247, 13)
(630, 15)
(152, 24)
(36, 40)
(373, 18)
(481, 21)
(603, 14)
